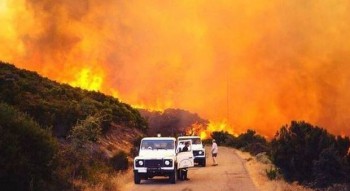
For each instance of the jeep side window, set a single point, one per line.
(181, 147)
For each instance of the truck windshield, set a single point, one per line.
(195, 141)
(157, 144)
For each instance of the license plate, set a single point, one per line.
(142, 170)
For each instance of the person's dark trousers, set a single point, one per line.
(184, 174)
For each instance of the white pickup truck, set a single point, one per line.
(158, 156)
(197, 147)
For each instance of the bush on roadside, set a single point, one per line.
(222, 137)
(310, 155)
(249, 141)
(120, 161)
(328, 169)
(134, 150)
(271, 173)
(26, 153)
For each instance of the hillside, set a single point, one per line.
(57, 137)
(60, 106)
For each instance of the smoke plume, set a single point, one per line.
(253, 64)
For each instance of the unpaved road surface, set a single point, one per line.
(230, 174)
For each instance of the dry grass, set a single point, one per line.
(257, 171)
(115, 182)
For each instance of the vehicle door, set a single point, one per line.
(184, 159)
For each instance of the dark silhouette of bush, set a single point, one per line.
(26, 153)
(300, 150)
(248, 141)
(222, 137)
(120, 161)
(328, 169)
(172, 122)
(251, 142)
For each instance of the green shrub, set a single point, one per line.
(27, 152)
(328, 169)
(222, 137)
(309, 154)
(248, 141)
(271, 173)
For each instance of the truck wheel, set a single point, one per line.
(204, 163)
(137, 178)
(178, 173)
(172, 177)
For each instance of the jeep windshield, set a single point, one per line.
(157, 144)
(195, 141)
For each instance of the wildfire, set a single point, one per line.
(196, 129)
(86, 80)
(158, 106)
(205, 132)
(258, 64)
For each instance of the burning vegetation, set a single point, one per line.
(253, 64)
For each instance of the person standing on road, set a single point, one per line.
(214, 152)
(183, 175)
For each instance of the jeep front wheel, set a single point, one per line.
(172, 177)
(204, 163)
(137, 178)
(178, 173)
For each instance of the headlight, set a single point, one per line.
(139, 163)
(168, 162)
(200, 152)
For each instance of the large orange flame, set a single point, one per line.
(217, 126)
(256, 64)
(86, 80)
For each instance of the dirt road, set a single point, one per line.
(230, 174)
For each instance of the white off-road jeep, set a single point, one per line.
(197, 147)
(158, 156)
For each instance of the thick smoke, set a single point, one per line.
(173, 122)
(257, 64)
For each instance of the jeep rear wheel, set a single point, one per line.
(172, 177)
(137, 178)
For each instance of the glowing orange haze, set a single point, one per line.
(255, 64)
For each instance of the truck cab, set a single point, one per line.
(198, 149)
(158, 156)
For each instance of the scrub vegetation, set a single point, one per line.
(301, 151)
(50, 133)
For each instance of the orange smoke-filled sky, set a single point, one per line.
(255, 64)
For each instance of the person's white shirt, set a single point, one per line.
(214, 148)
